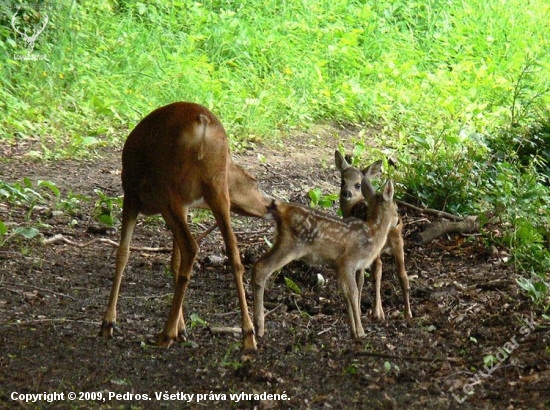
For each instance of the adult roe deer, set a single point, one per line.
(353, 204)
(348, 246)
(178, 158)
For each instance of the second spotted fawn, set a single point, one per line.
(354, 204)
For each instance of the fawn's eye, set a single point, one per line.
(358, 185)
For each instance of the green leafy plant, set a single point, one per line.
(197, 320)
(490, 360)
(292, 286)
(537, 289)
(27, 232)
(318, 199)
(106, 208)
(18, 194)
(391, 368)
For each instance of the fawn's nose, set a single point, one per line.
(345, 193)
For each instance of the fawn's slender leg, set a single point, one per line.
(396, 242)
(176, 219)
(360, 280)
(348, 286)
(376, 270)
(129, 218)
(277, 257)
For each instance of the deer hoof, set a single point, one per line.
(379, 316)
(164, 340)
(107, 329)
(249, 342)
(183, 336)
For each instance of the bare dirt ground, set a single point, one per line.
(466, 305)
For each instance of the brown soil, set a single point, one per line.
(465, 301)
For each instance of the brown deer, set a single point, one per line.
(316, 238)
(353, 204)
(178, 158)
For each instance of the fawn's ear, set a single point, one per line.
(374, 170)
(367, 189)
(387, 191)
(341, 163)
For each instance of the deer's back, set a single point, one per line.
(171, 153)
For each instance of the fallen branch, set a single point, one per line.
(55, 320)
(468, 225)
(60, 238)
(36, 288)
(397, 357)
(203, 235)
(429, 211)
(217, 330)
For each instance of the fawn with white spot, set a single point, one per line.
(348, 246)
(178, 158)
(353, 204)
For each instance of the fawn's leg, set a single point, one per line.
(348, 286)
(376, 270)
(396, 242)
(360, 280)
(280, 254)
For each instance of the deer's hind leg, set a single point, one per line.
(347, 282)
(396, 243)
(282, 253)
(176, 219)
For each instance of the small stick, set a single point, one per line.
(441, 214)
(27, 322)
(37, 288)
(392, 356)
(216, 330)
(60, 238)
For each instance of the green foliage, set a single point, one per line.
(537, 289)
(292, 286)
(490, 360)
(318, 199)
(197, 320)
(263, 67)
(106, 208)
(444, 174)
(26, 197)
(18, 194)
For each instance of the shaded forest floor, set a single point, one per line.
(466, 305)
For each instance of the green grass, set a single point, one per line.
(458, 89)
(413, 66)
